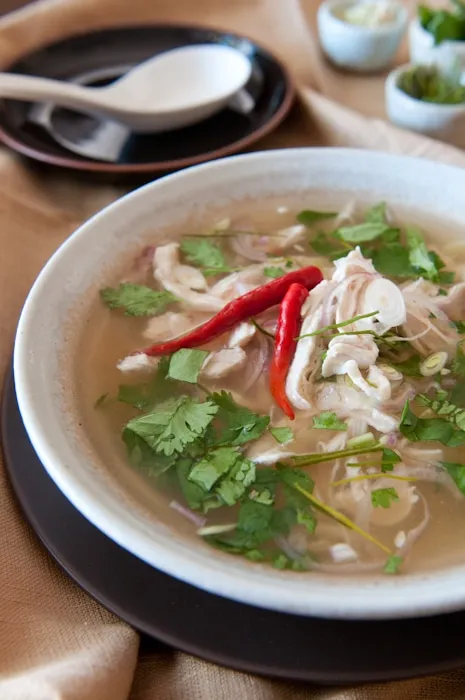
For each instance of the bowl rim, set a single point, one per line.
(391, 597)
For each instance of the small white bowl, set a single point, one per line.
(423, 51)
(438, 121)
(359, 48)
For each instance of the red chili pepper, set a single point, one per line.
(240, 309)
(289, 322)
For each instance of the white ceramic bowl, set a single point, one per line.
(423, 51)
(48, 339)
(438, 121)
(364, 49)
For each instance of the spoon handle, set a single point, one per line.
(30, 88)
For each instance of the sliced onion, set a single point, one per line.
(384, 296)
(434, 363)
(415, 533)
(198, 520)
(246, 246)
(257, 360)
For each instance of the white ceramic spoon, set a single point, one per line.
(170, 91)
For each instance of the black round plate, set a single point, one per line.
(97, 58)
(214, 628)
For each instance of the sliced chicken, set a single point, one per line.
(454, 303)
(177, 278)
(190, 277)
(287, 237)
(306, 361)
(242, 335)
(348, 402)
(222, 362)
(358, 350)
(352, 264)
(173, 324)
(238, 283)
(138, 363)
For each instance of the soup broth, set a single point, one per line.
(352, 462)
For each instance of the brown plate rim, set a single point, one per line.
(160, 166)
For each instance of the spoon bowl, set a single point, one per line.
(169, 91)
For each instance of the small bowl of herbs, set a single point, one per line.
(428, 100)
(438, 35)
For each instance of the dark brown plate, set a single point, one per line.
(99, 57)
(219, 630)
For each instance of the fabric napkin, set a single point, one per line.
(55, 642)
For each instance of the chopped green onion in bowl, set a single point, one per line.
(429, 84)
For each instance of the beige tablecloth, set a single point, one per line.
(55, 642)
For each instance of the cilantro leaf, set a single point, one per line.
(376, 214)
(328, 246)
(144, 458)
(264, 488)
(438, 429)
(457, 472)
(137, 395)
(174, 425)
(194, 494)
(382, 498)
(185, 365)
(137, 299)
(360, 233)
(282, 435)
(233, 486)
(392, 261)
(296, 500)
(203, 253)
(218, 462)
(393, 564)
(308, 217)
(255, 519)
(328, 420)
(419, 256)
(240, 424)
(144, 395)
(388, 459)
(460, 326)
(274, 272)
(227, 470)
(445, 277)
